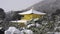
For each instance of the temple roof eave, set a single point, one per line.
(32, 11)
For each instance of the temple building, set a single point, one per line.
(28, 16)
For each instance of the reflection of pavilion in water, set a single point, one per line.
(28, 16)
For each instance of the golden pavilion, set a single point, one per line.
(29, 15)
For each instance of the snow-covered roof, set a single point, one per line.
(22, 21)
(32, 11)
(36, 19)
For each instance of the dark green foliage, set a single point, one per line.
(2, 14)
(16, 16)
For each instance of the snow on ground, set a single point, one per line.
(13, 30)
